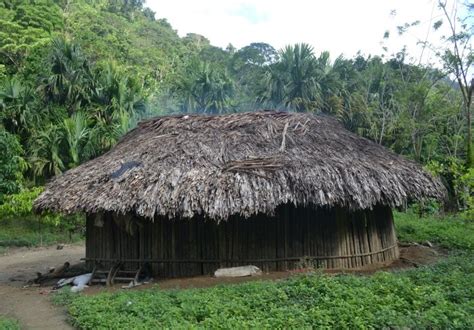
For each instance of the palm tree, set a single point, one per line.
(103, 135)
(302, 87)
(76, 134)
(293, 81)
(17, 105)
(45, 152)
(206, 89)
(69, 83)
(117, 92)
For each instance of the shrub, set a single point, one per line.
(459, 182)
(8, 324)
(12, 164)
(19, 204)
(450, 232)
(21, 227)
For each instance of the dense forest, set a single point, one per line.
(77, 75)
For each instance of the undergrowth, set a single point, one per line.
(439, 296)
(451, 232)
(19, 226)
(29, 232)
(8, 324)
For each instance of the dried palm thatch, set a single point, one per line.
(244, 164)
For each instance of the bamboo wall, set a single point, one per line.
(332, 238)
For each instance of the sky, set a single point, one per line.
(339, 26)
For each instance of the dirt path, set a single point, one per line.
(32, 306)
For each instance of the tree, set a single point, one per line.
(299, 80)
(76, 134)
(69, 80)
(115, 91)
(247, 66)
(257, 54)
(291, 82)
(455, 53)
(12, 164)
(45, 152)
(458, 60)
(18, 109)
(205, 89)
(25, 29)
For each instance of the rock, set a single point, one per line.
(241, 271)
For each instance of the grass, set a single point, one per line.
(8, 324)
(449, 232)
(25, 232)
(437, 296)
(19, 226)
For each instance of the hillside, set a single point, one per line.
(76, 75)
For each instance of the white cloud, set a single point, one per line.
(340, 26)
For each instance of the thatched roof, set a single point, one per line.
(246, 163)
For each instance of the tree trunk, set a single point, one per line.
(469, 155)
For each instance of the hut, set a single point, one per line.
(191, 193)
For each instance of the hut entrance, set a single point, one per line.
(119, 248)
(294, 237)
(114, 237)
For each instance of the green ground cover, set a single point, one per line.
(30, 233)
(19, 226)
(8, 324)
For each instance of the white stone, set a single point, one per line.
(241, 271)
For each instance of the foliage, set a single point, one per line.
(17, 102)
(25, 30)
(11, 164)
(426, 207)
(454, 51)
(458, 181)
(205, 89)
(467, 181)
(68, 80)
(451, 232)
(8, 324)
(19, 226)
(458, 58)
(295, 80)
(85, 109)
(31, 231)
(64, 296)
(20, 204)
(439, 296)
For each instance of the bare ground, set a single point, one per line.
(32, 305)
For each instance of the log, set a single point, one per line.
(56, 272)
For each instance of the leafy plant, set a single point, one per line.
(450, 232)
(19, 205)
(434, 296)
(9, 324)
(19, 226)
(12, 164)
